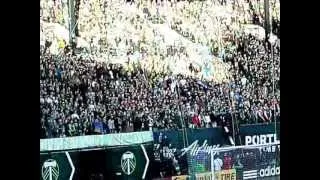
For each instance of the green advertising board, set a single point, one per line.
(111, 156)
(56, 166)
(129, 162)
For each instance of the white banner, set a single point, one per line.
(92, 141)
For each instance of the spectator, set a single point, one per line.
(227, 161)
(217, 163)
(81, 95)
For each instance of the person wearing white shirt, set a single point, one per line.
(91, 107)
(49, 100)
(207, 121)
(41, 100)
(150, 123)
(111, 125)
(217, 163)
(243, 81)
(75, 116)
(214, 124)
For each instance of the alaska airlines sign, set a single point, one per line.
(170, 142)
(194, 148)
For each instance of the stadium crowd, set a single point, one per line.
(82, 96)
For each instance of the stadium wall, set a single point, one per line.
(108, 163)
(104, 155)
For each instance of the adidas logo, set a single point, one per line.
(252, 174)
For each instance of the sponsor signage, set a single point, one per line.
(169, 144)
(252, 174)
(194, 148)
(226, 175)
(220, 175)
(267, 172)
(203, 176)
(206, 137)
(179, 177)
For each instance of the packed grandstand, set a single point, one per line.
(164, 67)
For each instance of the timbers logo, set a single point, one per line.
(128, 162)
